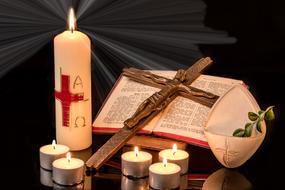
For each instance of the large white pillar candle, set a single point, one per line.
(163, 175)
(136, 163)
(176, 156)
(50, 153)
(72, 59)
(68, 171)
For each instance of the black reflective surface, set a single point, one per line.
(27, 103)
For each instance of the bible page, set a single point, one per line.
(184, 119)
(122, 103)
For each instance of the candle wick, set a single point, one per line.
(136, 154)
(174, 153)
(71, 30)
(68, 160)
(53, 147)
(164, 165)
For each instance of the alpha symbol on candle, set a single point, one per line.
(174, 149)
(66, 98)
(77, 81)
(136, 151)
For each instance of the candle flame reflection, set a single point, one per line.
(136, 151)
(174, 149)
(68, 157)
(164, 161)
(53, 144)
(72, 20)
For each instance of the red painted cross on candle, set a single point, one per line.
(66, 98)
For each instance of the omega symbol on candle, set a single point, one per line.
(80, 121)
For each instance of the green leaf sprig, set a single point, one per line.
(256, 119)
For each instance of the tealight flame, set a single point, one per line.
(174, 149)
(164, 161)
(136, 151)
(53, 144)
(72, 20)
(68, 157)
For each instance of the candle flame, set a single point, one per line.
(174, 149)
(72, 20)
(136, 151)
(68, 157)
(164, 161)
(53, 144)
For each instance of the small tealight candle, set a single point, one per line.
(164, 175)
(50, 153)
(176, 156)
(68, 171)
(136, 163)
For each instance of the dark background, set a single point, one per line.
(27, 102)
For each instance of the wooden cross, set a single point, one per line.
(170, 88)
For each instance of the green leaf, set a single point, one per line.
(238, 132)
(269, 115)
(258, 126)
(248, 129)
(260, 112)
(252, 116)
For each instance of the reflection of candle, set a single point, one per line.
(134, 184)
(179, 157)
(136, 163)
(72, 59)
(184, 181)
(46, 177)
(68, 171)
(80, 186)
(164, 175)
(51, 152)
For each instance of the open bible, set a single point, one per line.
(183, 119)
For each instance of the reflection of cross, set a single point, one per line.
(170, 88)
(66, 98)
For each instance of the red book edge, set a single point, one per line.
(189, 140)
